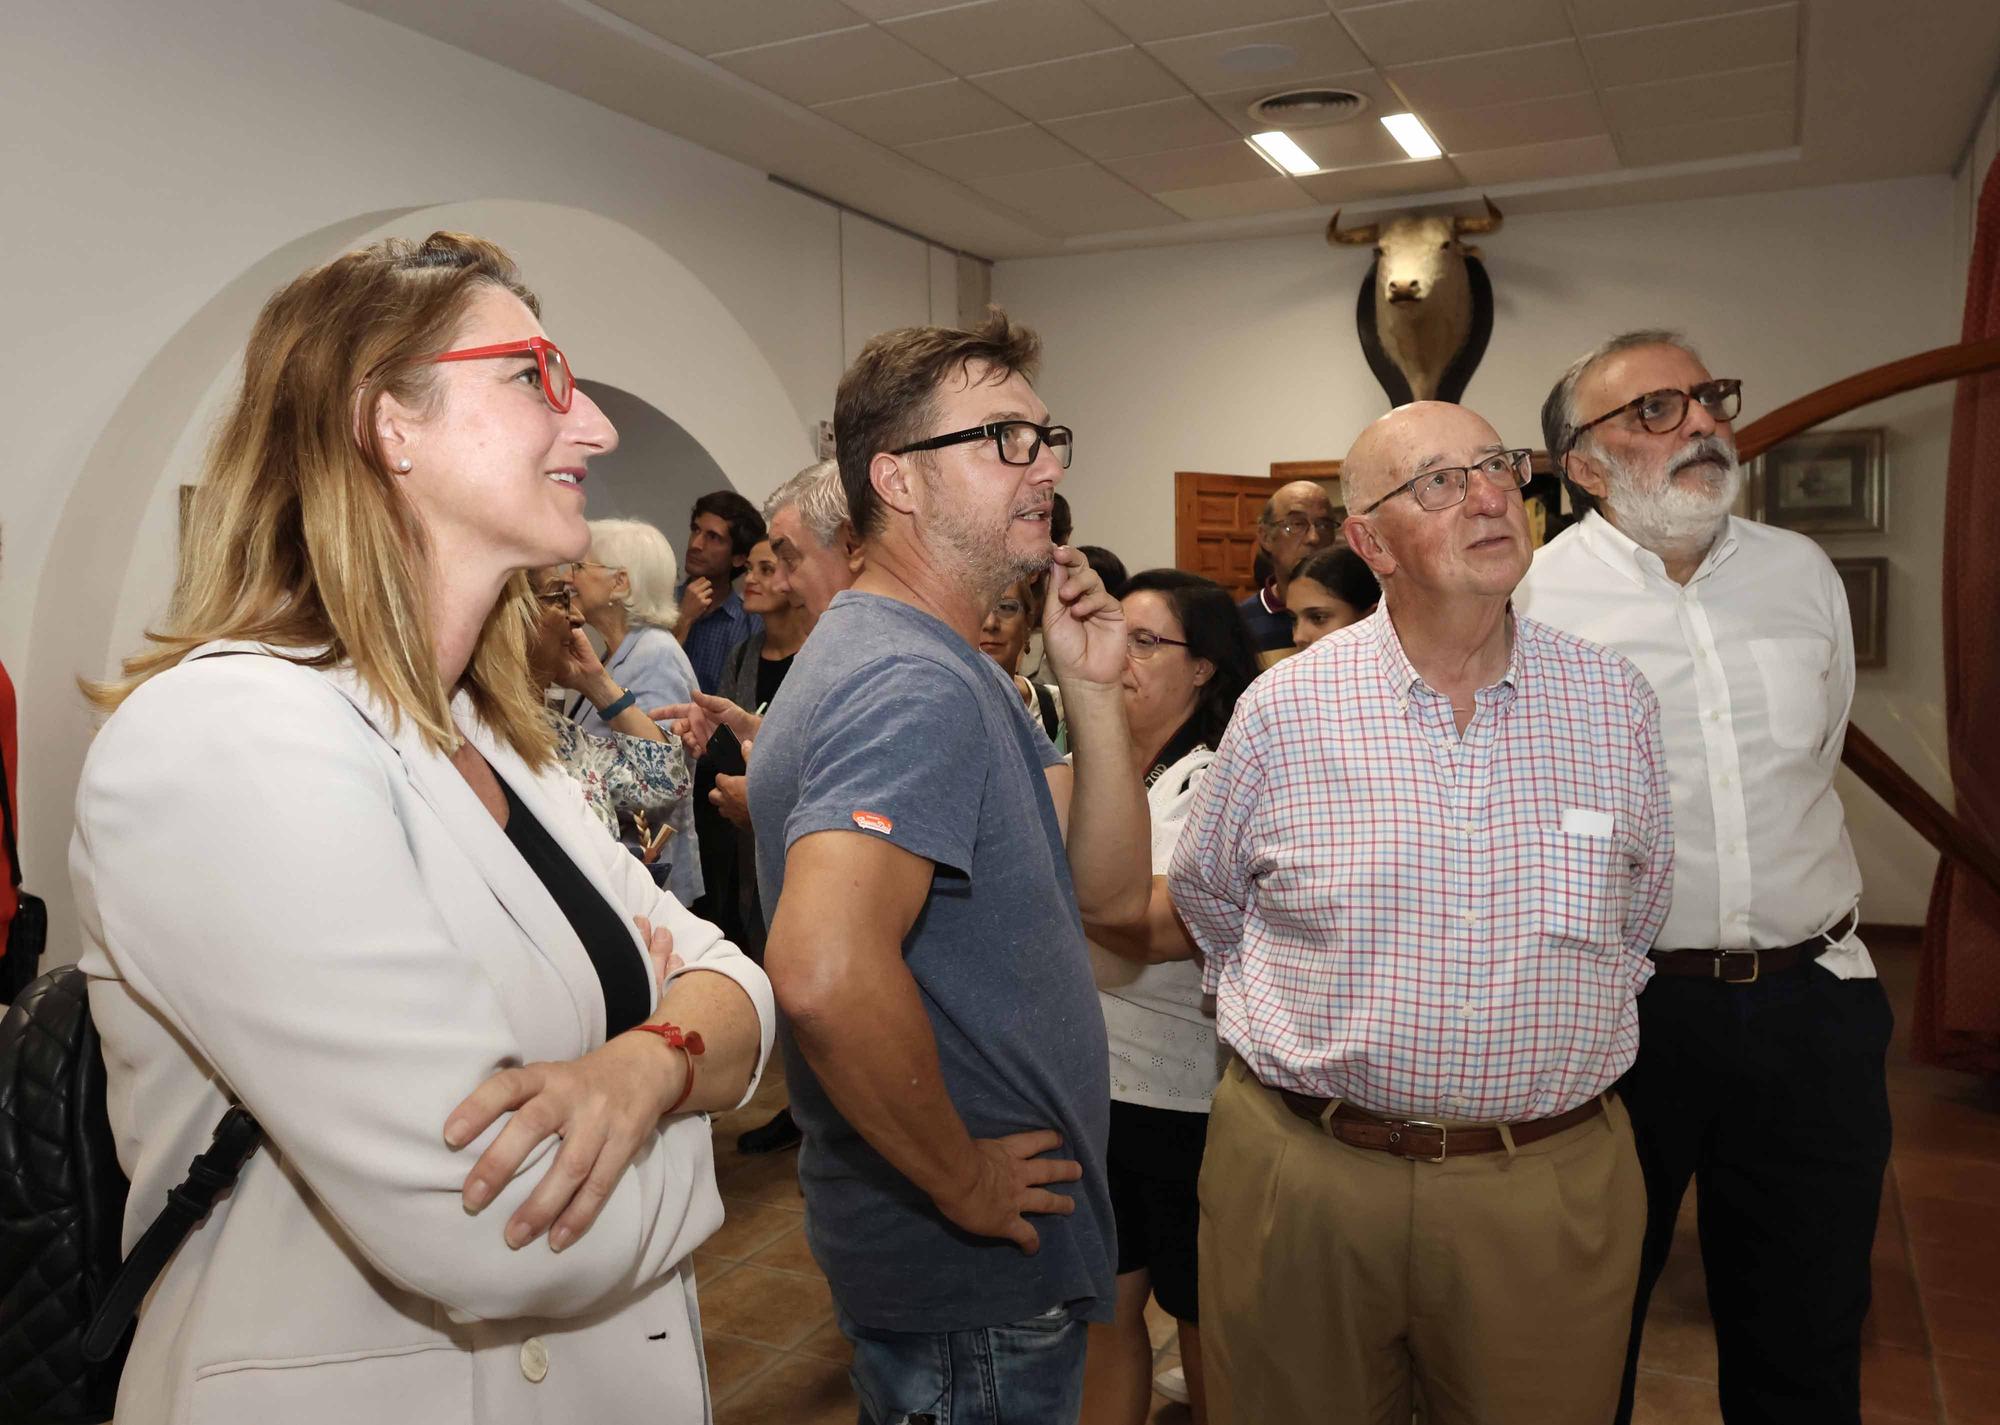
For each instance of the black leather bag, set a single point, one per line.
(66, 1303)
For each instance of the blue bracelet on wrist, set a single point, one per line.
(618, 705)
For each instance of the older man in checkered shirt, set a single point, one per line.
(1425, 870)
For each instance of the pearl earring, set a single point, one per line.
(404, 465)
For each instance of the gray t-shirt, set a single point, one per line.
(891, 725)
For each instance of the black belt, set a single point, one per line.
(1738, 967)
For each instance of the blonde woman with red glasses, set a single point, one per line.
(329, 870)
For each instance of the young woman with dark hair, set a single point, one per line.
(1189, 657)
(1329, 590)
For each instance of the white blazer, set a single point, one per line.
(291, 901)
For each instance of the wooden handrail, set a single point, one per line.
(1881, 774)
(1926, 368)
(1876, 768)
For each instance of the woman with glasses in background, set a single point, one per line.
(626, 591)
(329, 870)
(634, 769)
(1003, 637)
(1189, 657)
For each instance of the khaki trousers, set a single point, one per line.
(1334, 1279)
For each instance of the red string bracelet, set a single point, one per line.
(688, 1042)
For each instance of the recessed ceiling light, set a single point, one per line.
(1409, 131)
(1283, 154)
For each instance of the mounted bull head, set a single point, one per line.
(1426, 309)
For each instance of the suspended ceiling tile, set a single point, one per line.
(1202, 167)
(1769, 88)
(1711, 138)
(1076, 199)
(1143, 128)
(1002, 151)
(1277, 55)
(1237, 200)
(1357, 144)
(1110, 79)
(844, 65)
(1568, 158)
(1000, 34)
(1597, 17)
(1413, 31)
(1170, 19)
(1502, 77)
(711, 26)
(1384, 180)
(1696, 47)
(1234, 104)
(929, 111)
(1562, 116)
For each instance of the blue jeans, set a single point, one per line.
(1026, 1373)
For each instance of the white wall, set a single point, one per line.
(167, 166)
(657, 472)
(1229, 356)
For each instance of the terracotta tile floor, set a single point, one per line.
(1933, 1343)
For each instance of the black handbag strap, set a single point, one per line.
(7, 815)
(236, 1138)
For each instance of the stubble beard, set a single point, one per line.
(978, 555)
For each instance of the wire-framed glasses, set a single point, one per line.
(1441, 489)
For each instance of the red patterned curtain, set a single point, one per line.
(1958, 989)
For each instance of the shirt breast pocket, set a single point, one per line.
(1794, 671)
(1583, 885)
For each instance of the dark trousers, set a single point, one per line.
(1771, 1097)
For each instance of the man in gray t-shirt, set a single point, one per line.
(945, 1049)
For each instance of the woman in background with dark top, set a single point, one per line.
(1003, 637)
(1329, 590)
(756, 668)
(1189, 657)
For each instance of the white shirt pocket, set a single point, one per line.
(1794, 671)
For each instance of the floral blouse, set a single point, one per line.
(620, 773)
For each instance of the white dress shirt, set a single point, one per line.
(1753, 662)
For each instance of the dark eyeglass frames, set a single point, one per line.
(1143, 643)
(1441, 489)
(1661, 412)
(558, 384)
(1019, 442)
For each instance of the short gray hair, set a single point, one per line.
(821, 499)
(647, 557)
(1559, 415)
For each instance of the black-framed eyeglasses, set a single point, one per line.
(1443, 488)
(556, 596)
(1292, 526)
(1143, 643)
(1019, 442)
(1661, 412)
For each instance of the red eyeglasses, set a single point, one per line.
(558, 384)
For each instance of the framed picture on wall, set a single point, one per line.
(1867, 583)
(1822, 482)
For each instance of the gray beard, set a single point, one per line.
(1661, 515)
(981, 559)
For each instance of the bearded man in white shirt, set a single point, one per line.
(1762, 1037)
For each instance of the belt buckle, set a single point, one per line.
(1722, 959)
(1442, 1132)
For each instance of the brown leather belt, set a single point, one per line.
(1737, 967)
(1422, 1140)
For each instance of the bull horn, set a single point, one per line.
(1488, 224)
(1352, 237)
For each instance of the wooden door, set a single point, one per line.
(1215, 526)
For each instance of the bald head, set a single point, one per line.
(1298, 519)
(1410, 439)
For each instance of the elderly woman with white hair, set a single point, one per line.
(625, 590)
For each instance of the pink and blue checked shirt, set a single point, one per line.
(1421, 924)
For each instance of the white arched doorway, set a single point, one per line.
(629, 313)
